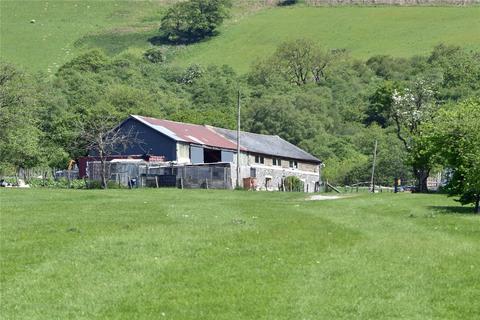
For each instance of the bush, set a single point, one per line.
(193, 20)
(92, 61)
(193, 72)
(56, 184)
(155, 55)
(97, 184)
(293, 184)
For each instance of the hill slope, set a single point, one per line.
(364, 31)
(49, 41)
(62, 29)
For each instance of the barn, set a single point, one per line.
(265, 160)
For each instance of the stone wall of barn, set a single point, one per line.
(269, 178)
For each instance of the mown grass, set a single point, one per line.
(175, 254)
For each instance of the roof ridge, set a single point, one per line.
(254, 133)
(187, 123)
(208, 126)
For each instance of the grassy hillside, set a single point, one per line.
(364, 31)
(146, 254)
(49, 41)
(65, 28)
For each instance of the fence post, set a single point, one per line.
(156, 181)
(224, 178)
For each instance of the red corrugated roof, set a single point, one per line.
(192, 133)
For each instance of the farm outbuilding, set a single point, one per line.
(265, 160)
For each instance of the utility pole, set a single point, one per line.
(238, 140)
(372, 181)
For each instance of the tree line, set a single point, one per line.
(323, 100)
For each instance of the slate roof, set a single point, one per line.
(226, 139)
(267, 144)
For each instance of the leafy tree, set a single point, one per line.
(452, 139)
(295, 59)
(193, 20)
(380, 104)
(460, 69)
(278, 116)
(412, 107)
(299, 61)
(19, 134)
(390, 68)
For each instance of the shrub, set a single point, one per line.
(155, 55)
(92, 61)
(193, 72)
(293, 184)
(56, 184)
(97, 184)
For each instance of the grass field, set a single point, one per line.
(66, 28)
(172, 254)
(364, 31)
(59, 25)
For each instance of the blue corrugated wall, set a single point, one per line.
(153, 142)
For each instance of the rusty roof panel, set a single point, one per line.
(191, 133)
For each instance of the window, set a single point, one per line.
(293, 164)
(259, 159)
(277, 162)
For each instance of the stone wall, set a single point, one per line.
(268, 162)
(271, 178)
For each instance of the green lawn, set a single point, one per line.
(197, 254)
(364, 31)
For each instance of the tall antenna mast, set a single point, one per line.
(238, 140)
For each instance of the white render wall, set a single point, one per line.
(183, 153)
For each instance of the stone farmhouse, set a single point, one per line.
(199, 155)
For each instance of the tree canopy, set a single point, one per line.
(452, 139)
(193, 20)
(336, 110)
